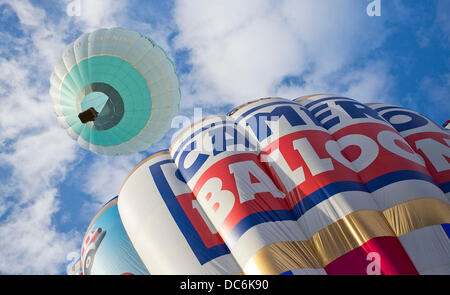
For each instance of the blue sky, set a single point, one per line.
(226, 53)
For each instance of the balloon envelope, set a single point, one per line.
(106, 248)
(320, 185)
(168, 228)
(127, 79)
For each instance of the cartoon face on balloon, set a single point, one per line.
(91, 244)
(106, 248)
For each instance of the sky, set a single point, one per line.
(225, 53)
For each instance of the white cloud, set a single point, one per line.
(369, 84)
(29, 242)
(102, 180)
(105, 175)
(95, 14)
(241, 51)
(28, 14)
(35, 153)
(25, 104)
(39, 160)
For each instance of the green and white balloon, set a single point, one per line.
(127, 79)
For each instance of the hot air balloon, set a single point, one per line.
(319, 185)
(168, 227)
(106, 248)
(115, 91)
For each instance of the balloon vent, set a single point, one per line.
(88, 115)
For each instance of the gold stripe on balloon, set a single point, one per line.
(280, 257)
(349, 233)
(415, 214)
(325, 246)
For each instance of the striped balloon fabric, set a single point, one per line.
(319, 185)
(127, 79)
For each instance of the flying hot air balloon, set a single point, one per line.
(115, 91)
